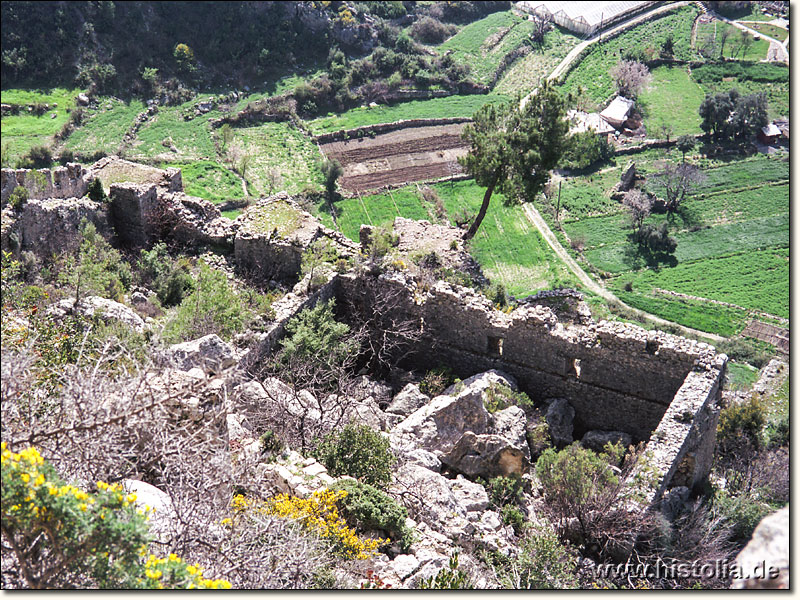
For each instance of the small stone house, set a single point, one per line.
(769, 134)
(617, 113)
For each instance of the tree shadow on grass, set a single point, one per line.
(637, 256)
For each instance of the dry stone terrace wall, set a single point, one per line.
(616, 376)
(70, 181)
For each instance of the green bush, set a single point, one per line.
(96, 268)
(743, 513)
(357, 451)
(65, 537)
(741, 425)
(96, 192)
(504, 491)
(18, 198)
(169, 279)
(499, 397)
(777, 432)
(367, 508)
(436, 381)
(512, 515)
(585, 149)
(542, 562)
(38, 157)
(747, 350)
(212, 307)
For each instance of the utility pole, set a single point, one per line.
(558, 203)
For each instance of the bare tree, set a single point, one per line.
(723, 39)
(630, 77)
(639, 205)
(676, 182)
(541, 25)
(274, 179)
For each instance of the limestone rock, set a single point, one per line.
(765, 559)
(559, 418)
(209, 353)
(408, 400)
(483, 381)
(511, 425)
(102, 307)
(472, 496)
(598, 438)
(436, 501)
(369, 388)
(485, 455)
(163, 522)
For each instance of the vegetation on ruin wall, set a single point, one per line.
(23, 131)
(433, 108)
(591, 73)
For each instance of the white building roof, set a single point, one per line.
(618, 110)
(581, 121)
(591, 13)
(771, 130)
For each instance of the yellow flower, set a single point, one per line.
(83, 506)
(25, 477)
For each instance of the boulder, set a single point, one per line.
(366, 387)
(485, 455)
(511, 425)
(408, 400)
(597, 439)
(209, 353)
(163, 523)
(430, 493)
(472, 496)
(102, 307)
(765, 560)
(559, 417)
(483, 381)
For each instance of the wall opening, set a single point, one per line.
(494, 346)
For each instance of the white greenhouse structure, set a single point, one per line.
(583, 17)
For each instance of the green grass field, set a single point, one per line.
(507, 246)
(733, 49)
(591, 73)
(209, 180)
(282, 149)
(105, 127)
(672, 99)
(435, 108)
(773, 31)
(192, 139)
(23, 131)
(483, 44)
(740, 376)
(525, 74)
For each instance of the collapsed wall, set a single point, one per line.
(70, 181)
(616, 376)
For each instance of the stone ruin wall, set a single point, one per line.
(70, 181)
(616, 376)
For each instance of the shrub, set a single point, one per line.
(170, 279)
(319, 515)
(742, 512)
(511, 515)
(504, 491)
(585, 149)
(367, 508)
(747, 350)
(18, 198)
(450, 577)
(499, 397)
(357, 451)
(541, 563)
(436, 380)
(38, 157)
(497, 294)
(96, 268)
(96, 192)
(66, 156)
(65, 537)
(740, 425)
(212, 307)
(428, 30)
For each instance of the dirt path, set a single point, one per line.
(537, 221)
(781, 53)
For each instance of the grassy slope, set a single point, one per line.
(193, 139)
(105, 127)
(23, 131)
(209, 180)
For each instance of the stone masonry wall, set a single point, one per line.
(131, 204)
(70, 181)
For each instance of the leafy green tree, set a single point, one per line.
(686, 144)
(96, 192)
(514, 147)
(331, 171)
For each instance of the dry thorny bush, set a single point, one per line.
(164, 428)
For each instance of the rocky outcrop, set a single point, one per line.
(209, 353)
(559, 418)
(764, 562)
(597, 439)
(102, 307)
(163, 521)
(486, 456)
(408, 400)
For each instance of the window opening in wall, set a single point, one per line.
(495, 345)
(576, 364)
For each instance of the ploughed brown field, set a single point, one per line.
(398, 157)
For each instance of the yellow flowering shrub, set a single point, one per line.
(63, 536)
(319, 515)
